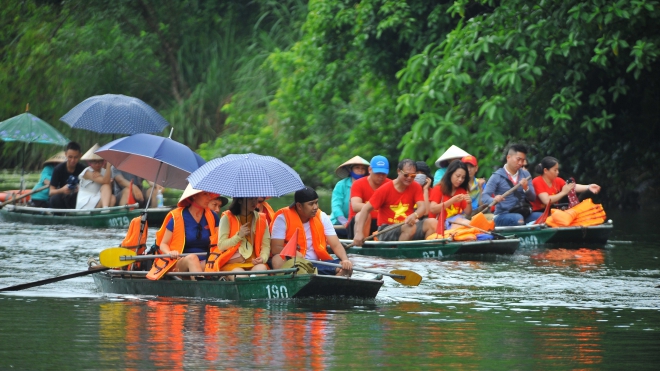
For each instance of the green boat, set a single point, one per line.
(156, 215)
(434, 249)
(278, 287)
(531, 236)
(109, 217)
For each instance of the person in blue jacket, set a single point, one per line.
(514, 209)
(351, 170)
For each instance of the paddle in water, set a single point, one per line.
(405, 277)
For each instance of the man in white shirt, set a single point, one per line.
(315, 233)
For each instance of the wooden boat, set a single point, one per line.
(285, 286)
(109, 217)
(531, 236)
(424, 249)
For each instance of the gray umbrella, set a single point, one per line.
(115, 114)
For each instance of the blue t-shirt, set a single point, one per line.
(46, 174)
(198, 235)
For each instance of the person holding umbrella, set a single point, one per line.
(315, 232)
(189, 228)
(243, 239)
(64, 182)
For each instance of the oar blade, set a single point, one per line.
(110, 257)
(410, 278)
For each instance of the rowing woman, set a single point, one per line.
(549, 187)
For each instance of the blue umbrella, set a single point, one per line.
(115, 114)
(246, 175)
(161, 160)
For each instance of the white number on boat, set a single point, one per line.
(432, 254)
(276, 292)
(120, 221)
(529, 241)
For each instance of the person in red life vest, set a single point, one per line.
(363, 189)
(243, 239)
(452, 196)
(216, 204)
(395, 202)
(190, 228)
(550, 187)
(315, 233)
(264, 207)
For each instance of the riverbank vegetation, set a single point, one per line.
(314, 83)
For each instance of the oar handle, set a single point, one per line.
(356, 269)
(151, 257)
(371, 237)
(23, 196)
(494, 202)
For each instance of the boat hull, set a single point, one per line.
(244, 288)
(93, 218)
(156, 216)
(530, 237)
(429, 249)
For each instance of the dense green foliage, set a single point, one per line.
(314, 84)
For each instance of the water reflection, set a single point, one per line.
(582, 259)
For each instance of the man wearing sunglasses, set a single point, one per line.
(395, 202)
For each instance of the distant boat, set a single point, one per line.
(108, 217)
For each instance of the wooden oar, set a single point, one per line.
(408, 278)
(116, 257)
(385, 230)
(496, 235)
(12, 200)
(484, 207)
(54, 279)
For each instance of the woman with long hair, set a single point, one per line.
(549, 187)
(451, 194)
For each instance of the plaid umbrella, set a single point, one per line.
(246, 175)
(115, 114)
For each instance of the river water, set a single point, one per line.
(539, 309)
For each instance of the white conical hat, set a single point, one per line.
(452, 153)
(189, 192)
(342, 170)
(57, 158)
(90, 155)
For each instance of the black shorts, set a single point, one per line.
(394, 234)
(350, 228)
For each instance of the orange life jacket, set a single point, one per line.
(218, 258)
(131, 241)
(293, 222)
(161, 266)
(269, 212)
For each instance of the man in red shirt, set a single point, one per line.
(395, 202)
(364, 188)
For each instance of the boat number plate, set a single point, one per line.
(529, 241)
(277, 292)
(120, 221)
(432, 254)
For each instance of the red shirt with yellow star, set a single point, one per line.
(438, 197)
(394, 206)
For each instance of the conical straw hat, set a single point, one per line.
(57, 158)
(189, 192)
(342, 170)
(90, 155)
(451, 153)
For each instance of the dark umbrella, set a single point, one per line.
(115, 114)
(28, 128)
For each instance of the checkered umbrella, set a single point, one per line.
(246, 175)
(115, 114)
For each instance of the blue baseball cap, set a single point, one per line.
(379, 164)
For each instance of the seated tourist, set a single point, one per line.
(549, 187)
(395, 202)
(40, 199)
(453, 153)
(121, 189)
(361, 192)
(315, 233)
(514, 209)
(451, 195)
(189, 228)
(349, 171)
(63, 190)
(243, 239)
(216, 204)
(95, 180)
(477, 185)
(264, 207)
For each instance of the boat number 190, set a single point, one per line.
(277, 292)
(431, 254)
